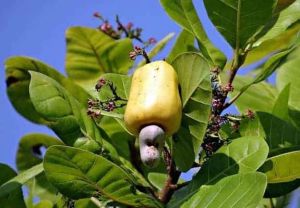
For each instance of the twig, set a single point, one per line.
(146, 57)
(173, 176)
(121, 26)
(226, 105)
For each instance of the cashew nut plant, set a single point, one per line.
(128, 128)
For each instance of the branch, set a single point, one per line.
(173, 176)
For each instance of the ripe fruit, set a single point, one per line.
(154, 100)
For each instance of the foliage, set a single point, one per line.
(238, 160)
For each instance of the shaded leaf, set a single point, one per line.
(282, 168)
(80, 174)
(193, 74)
(16, 182)
(294, 115)
(280, 135)
(157, 48)
(241, 190)
(280, 189)
(283, 4)
(29, 151)
(184, 13)
(281, 108)
(17, 79)
(119, 138)
(242, 155)
(29, 154)
(234, 19)
(91, 53)
(10, 199)
(185, 42)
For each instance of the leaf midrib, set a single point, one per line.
(89, 181)
(102, 69)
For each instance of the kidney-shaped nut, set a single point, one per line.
(151, 141)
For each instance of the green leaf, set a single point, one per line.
(286, 19)
(157, 179)
(68, 117)
(241, 190)
(280, 135)
(184, 13)
(281, 189)
(234, 19)
(16, 182)
(258, 97)
(119, 138)
(193, 74)
(282, 168)
(10, 199)
(294, 116)
(91, 53)
(283, 4)
(18, 78)
(288, 72)
(281, 108)
(44, 204)
(85, 203)
(29, 154)
(157, 48)
(271, 65)
(273, 45)
(185, 42)
(242, 155)
(29, 150)
(251, 127)
(122, 84)
(80, 174)
(268, 68)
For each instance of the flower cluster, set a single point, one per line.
(122, 30)
(95, 106)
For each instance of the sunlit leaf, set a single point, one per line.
(234, 19)
(258, 97)
(282, 168)
(80, 174)
(241, 190)
(184, 13)
(193, 73)
(18, 78)
(68, 117)
(242, 155)
(157, 48)
(185, 42)
(91, 53)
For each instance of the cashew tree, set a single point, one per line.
(127, 128)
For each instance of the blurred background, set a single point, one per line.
(37, 28)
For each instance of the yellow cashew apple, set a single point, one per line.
(154, 99)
